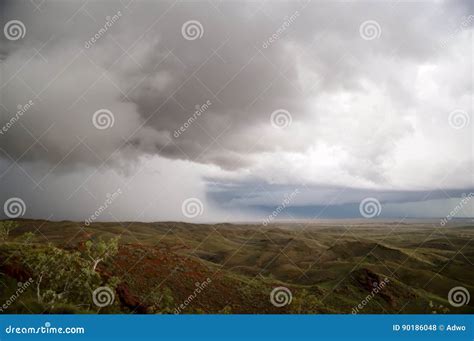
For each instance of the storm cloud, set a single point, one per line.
(217, 100)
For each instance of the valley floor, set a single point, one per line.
(171, 267)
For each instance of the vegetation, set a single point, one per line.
(60, 277)
(165, 268)
(5, 228)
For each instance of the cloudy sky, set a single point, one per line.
(229, 111)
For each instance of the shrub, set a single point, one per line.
(6, 227)
(63, 277)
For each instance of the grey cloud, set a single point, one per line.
(309, 201)
(157, 82)
(359, 108)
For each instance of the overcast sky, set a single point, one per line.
(226, 111)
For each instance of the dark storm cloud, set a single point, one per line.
(160, 79)
(306, 202)
(240, 193)
(365, 113)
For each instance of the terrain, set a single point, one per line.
(325, 266)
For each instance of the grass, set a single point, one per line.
(329, 267)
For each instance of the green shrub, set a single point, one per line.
(63, 278)
(6, 226)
